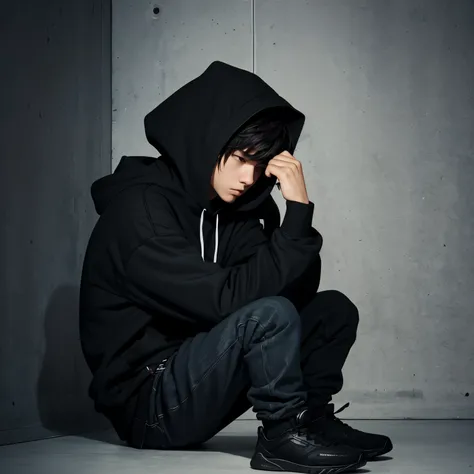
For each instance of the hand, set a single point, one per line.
(289, 172)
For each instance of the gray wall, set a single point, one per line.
(55, 140)
(387, 152)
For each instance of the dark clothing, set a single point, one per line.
(265, 355)
(163, 263)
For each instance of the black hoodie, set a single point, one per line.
(163, 262)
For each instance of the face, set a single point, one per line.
(237, 174)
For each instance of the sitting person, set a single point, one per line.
(192, 311)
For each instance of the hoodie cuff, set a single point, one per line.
(298, 219)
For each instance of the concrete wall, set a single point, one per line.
(388, 157)
(55, 135)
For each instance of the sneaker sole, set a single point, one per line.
(371, 454)
(260, 462)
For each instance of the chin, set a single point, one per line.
(229, 198)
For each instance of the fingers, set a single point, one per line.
(283, 163)
(287, 154)
(289, 172)
(285, 157)
(281, 169)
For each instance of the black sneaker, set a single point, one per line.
(298, 450)
(333, 429)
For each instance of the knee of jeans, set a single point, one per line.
(348, 308)
(284, 311)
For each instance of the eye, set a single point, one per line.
(259, 168)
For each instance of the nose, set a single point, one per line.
(249, 177)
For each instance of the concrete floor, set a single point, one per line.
(419, 447)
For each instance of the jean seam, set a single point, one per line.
(208, 371)
(264, 360)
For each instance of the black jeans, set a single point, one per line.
(266, 355)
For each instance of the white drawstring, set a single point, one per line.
(216, 244)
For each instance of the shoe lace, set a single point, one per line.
(303, 430)
(333, 417)
(321, 436)
(306, 431)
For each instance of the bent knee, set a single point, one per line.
(279, 303)
(279, 308)
(347, 307)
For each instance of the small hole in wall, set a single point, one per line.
(156, 11)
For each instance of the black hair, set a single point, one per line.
(264, 137)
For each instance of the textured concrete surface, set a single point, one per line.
(420, 447)
(55, 135)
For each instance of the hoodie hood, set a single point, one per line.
(192, 126)
(131, 171)
(189, 130)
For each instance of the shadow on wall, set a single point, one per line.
(63, 402)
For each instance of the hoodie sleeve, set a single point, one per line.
(296, 224)
(165, 269)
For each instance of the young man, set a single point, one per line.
(192, 312)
